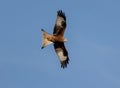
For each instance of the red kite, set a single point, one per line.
(58, 39)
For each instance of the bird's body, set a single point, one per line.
(58, 39)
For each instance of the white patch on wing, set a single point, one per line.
(61, 56)
(59, 21)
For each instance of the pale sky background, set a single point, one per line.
(93, 33)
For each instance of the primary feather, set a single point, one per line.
(60, 24)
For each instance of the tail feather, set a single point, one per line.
(45, 40)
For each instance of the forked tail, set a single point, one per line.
(45, 38)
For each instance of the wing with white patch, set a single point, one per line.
(61, 53)
(60, 24)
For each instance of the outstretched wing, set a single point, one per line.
(61, 53)
(60, 24)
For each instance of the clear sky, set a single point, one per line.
(93, 33)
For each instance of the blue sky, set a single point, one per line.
(93, 33)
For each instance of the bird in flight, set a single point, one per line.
(57, 38)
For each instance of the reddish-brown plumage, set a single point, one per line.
(58, 39)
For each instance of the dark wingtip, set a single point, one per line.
(65, 63)
(61, 14)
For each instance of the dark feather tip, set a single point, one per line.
(61, 14)
(42, 29)
(42, 47)
(65, 63)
